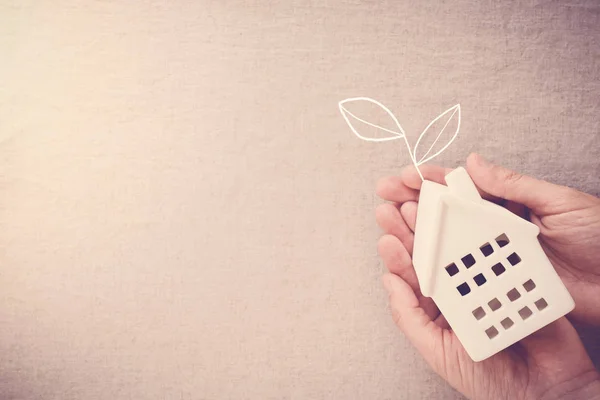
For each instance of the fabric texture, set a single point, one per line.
(184, 213)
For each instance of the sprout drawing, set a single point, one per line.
(398, 133)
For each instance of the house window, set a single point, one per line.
(464, 289)
(507, 323)
(479, 313)
(479, 279)
(452, 269)
(494, 304)
(513, 294)
(498, 269)
(529, 285)
(502, 240)
(514, 259)
(491, 332)
(541, 304)
(468, 260)
(525, 312)
(486, 249)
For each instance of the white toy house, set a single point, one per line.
(482, 265)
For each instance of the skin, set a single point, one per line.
(550, 364)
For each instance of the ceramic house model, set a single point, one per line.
(484, 267)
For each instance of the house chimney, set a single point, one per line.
(461, 185)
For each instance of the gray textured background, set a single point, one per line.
(184, 213)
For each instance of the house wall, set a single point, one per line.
(481, 290)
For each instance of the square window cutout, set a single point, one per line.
(498, 269)
(491, 332)
(502, 240)
(494, 304)
(463, 289)
(507, 323)
(541, 304)
(525, 312)
(468, 260)
(452, 269)
(479, 313)
(486, 249)
(513, 294)
(479, 279)
(529, 285)
(514, 259)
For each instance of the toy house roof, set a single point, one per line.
(434, 201)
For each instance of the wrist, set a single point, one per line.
(585, 386)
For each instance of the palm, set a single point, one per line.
(505, 375)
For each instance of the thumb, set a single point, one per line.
(540, 196)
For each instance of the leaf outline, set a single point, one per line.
(456, 109)
(345, 113)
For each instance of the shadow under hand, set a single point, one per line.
(590, 336)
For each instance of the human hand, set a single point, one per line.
(551, 363)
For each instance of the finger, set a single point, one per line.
(409, 214)
(539, 196)
(406, 186)
(412, 319)
(389, 219)
(433, 173)
(411, 178)
(398, 261)
(392, 188)
(441, 321)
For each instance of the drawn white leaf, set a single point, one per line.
(451, 113)
(352, 120)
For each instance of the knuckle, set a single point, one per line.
(507, 182)
(381, 186)
(381, 242)
(383, 209)
(380, 211)
(384, 243)
(396, 317)
(513, 177)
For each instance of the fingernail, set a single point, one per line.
(481, 161)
